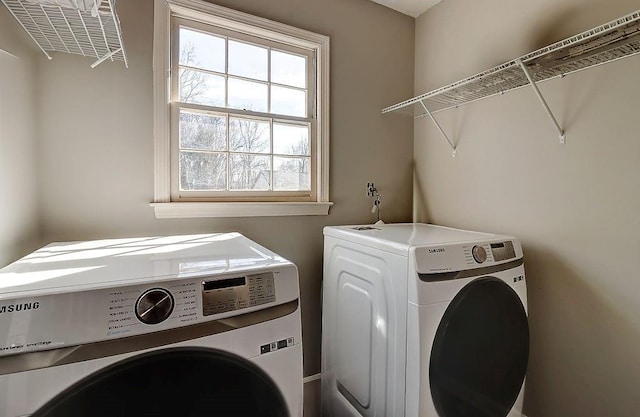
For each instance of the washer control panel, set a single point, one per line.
(222, 295)
(148, 305)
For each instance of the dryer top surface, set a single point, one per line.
(399, 238)
(74, 266)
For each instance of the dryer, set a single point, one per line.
(422, 320)
(183, 325)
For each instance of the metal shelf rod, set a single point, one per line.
(71, 30)
(104, 38)
(53, 27)
(86, 31)
(542, 100)
(119, 33)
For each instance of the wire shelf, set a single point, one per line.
(609, 42)
(64, 29)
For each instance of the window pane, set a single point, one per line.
(291, 139)
(203, 171)
(291, 174)
(201, 88)
(247, 95)
(250, 172)
(201, 50)
(248, 60)
(203, 131)
(248, 135)
(288, 69)
(288, 101)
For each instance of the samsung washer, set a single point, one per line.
(185, 325)
(422, 320)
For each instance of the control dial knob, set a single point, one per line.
(479, 254)
(154, 306)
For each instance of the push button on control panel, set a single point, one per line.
(277, 345)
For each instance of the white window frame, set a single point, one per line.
(207, 13)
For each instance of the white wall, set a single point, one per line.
(18, 168)
(97, 145)
(574, 206)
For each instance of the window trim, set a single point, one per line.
(201, 11)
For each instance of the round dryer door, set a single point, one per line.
(480, 352)
(195, 382)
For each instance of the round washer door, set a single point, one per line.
(480, 351)
(189, 382)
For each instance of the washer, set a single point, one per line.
(422, 320)
(162, 326)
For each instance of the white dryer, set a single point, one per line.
(194, 325)
(422, 320)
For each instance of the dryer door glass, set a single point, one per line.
(480, 352)
(174, 382)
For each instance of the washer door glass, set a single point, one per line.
(189, 382)
(480, 352)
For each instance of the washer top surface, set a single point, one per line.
(72, 266)
(399, 238)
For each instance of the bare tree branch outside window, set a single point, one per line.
(250, 171)
(192, 83)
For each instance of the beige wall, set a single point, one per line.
(97, 144)
(574, 206)
(18, 168)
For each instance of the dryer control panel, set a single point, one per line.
(459, 257)
(483, 252)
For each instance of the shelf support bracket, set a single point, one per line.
(104, 58)
(542, 100)
(435, 122)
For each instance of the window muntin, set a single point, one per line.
(243, 119)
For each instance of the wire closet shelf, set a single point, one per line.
(609, 42)
(65, 29)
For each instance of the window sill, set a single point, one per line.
(208, 209)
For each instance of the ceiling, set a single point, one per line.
(413, 8)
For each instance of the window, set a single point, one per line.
(241, 114)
